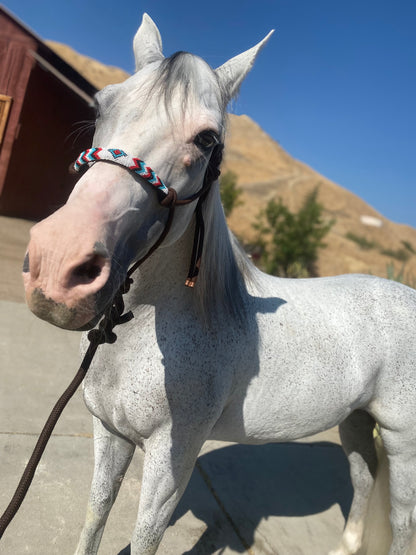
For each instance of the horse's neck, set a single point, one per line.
(163, 275)
(220, 289)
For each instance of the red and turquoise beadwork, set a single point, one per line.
(118, 156)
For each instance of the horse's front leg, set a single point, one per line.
(112, 456)
(167, 469)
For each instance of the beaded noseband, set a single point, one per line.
(167, 195)
(118, 156)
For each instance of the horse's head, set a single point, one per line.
(170, 113)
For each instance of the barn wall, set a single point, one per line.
(15, 68)
(47, 142)
(41, 137)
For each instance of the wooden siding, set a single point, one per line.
(40, 137)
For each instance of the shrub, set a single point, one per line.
(408, 246)
(230, 193)
(400, 276)
(361, 241)
(290, 242)
(400, 254)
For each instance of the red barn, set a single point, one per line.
(42, 99)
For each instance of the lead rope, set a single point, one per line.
(44, 436)
(114, 316)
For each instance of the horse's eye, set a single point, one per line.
(206, 140)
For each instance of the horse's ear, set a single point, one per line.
(232, 73)
(147, 44)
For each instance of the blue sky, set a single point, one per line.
(335, 86)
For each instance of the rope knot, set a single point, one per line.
(169, 199)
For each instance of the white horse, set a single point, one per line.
(242, 356)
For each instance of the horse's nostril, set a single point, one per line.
(26, 267)
(88, 271)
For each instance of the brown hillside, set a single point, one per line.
(265, 170)
(97, 73)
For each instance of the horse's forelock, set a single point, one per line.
(187, 73)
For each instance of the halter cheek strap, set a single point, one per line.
(167, 196)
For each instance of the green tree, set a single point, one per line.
(290, 242)
(230, 193)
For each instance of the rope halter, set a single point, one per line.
(167, 195)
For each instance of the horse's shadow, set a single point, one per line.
(251, 483)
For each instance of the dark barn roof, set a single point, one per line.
(42, 98)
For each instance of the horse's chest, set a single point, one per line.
(128, 397)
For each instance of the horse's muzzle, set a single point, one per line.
(70, 318)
